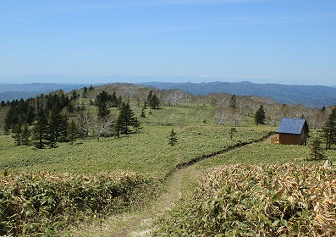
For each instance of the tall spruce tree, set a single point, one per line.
(72, 132)
(17, 130)
(40, 131)
(316, 151)
(329, 130)
(25, 135)
(259, 116)
(126, 120)
(149, 97)
(155, 102)
(233, 102)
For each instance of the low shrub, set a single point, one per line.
(43, 203)
(266, 200)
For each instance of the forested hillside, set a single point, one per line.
(95, 109)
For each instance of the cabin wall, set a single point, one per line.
(290, 139)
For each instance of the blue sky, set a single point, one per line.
(281, 41)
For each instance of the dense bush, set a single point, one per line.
(33, 204)
(239, 200)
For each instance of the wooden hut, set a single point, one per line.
(293, 131)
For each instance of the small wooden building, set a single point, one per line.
(293, 131)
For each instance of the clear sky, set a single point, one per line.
(282, 41)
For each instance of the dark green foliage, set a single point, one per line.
(172, 138)
(30, 116)
(25, 135)
(233, 102)
(329, 130)
(6, 129)
(3, 104)
(17, 130)
(143, 115)
(52, 129)
(323, 109)
(259, 116)
(153, 100)
(126, 120)
(40, 131)
(75, 95)
(72, 132)
(232, 131)
(149, 96)
(85, 92)
(316, 151)
(103, 110)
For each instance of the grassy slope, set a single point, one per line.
(147, 153)
(264, 152)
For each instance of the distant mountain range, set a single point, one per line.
(25, 91)
(311, 96)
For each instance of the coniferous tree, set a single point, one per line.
(103, 111)
(259, 116)
(329, 130)
(126, 119)
(143, 113)
(52, 129)
(149, 97)
(30, 116)
(172, 138)
(6, 129)
(232, 131)
(40, 131)
(155, 102)
(17, 130)
(118, 125)
(25, 135)
(85, 92)
(316, 151)
(233, 102)
(72, 132)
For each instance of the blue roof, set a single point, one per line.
(291, 125)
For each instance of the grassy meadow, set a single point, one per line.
(143, 161)
(146, 153)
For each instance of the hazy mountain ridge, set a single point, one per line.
(8, 92)
(311, 96)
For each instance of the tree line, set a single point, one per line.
(50, 119)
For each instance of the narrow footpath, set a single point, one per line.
(139, 224)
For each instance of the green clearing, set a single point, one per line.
(264, 153)
(147, 153)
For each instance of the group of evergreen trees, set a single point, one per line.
(328, 136)
(153, 101)
(46, 117)
(50, 119)
(104, 101)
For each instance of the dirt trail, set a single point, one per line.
(139, 223)
(136, 224)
